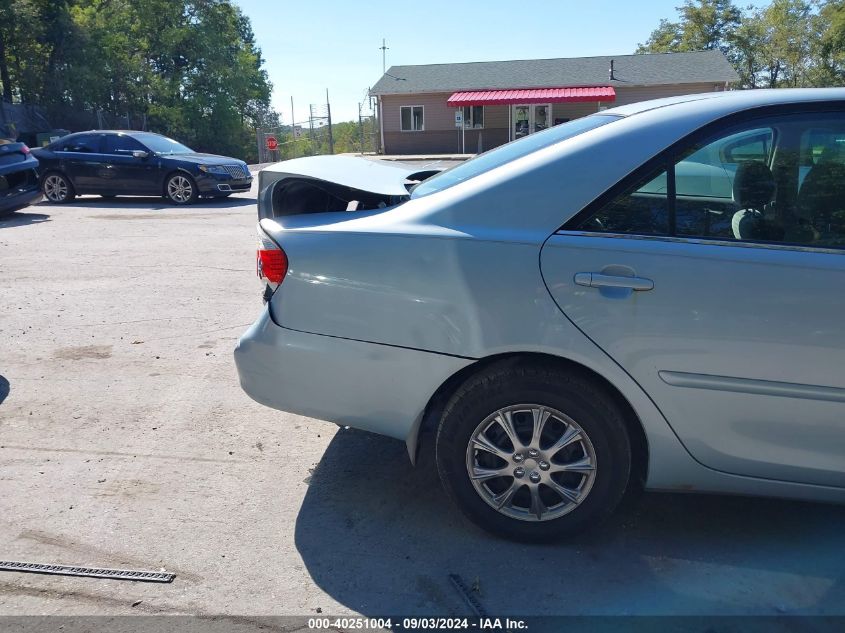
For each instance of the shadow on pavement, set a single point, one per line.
(379, 537)
(21, 218)
(153, 203)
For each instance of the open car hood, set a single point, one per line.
(320, 184)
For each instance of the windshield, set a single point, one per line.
(510, 151)
(162, 144)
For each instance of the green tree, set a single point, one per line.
(788, 43)
(704, 25)
(828, 45)
(189, 68)
(750, 53)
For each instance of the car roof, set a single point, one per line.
(126, 132)
(594, 160)
(735, 99)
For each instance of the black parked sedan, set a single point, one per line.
(114, 163)
(18, 176)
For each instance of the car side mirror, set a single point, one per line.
(139, 153)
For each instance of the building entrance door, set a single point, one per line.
(529, 118)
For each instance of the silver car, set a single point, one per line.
(651, 296)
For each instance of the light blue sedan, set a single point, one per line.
(651, 296)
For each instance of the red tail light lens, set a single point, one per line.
(24, 149)
(271, 261)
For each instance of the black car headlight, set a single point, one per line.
(213, 169)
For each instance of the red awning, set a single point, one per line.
(534, 95)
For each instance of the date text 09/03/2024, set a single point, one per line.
(419, 623)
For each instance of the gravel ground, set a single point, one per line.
(125, 441)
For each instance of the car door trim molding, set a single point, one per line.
(706, 241)
(752, 386)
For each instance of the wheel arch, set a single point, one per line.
(43, 173)
(172, 171)
(57, 171)
(437, 403)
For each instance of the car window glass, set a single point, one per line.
(643, 209)
(162, 144)
(122, 145)
(780, 182)
(87, 144)
(510, 152)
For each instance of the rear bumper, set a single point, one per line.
(18, 190)
(373, 387)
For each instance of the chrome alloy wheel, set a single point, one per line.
(531, 462)
(55, 188)
(180, 189)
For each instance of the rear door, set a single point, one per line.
(738, 341)
(81, 158)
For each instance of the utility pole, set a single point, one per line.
(361, 127)
(292, 130)
(384, 49)
(329, 116)
(311, 127)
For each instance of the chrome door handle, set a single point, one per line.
(598, 280)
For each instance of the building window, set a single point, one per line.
(411, 118)
(473, 117)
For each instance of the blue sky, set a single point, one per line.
(309, 47)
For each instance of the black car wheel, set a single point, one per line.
(533, 453)
(181, 189)
(57, 188)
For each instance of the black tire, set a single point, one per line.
(566, 392)
(57, 188)
(180, 189)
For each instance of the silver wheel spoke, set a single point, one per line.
(505, 420)
(504, 499)
(565, 493)
(537, 505)
(570, 435)
(540, 416)
(483, 474)
(583, 465)
(481, 442)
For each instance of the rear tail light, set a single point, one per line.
(271, 261)
(24, 149)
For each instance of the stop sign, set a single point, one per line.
(272, 143)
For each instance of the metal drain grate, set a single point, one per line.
(92, 572)
(467, 595)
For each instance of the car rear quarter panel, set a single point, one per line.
(471, 298)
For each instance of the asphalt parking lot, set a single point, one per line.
(125, 441)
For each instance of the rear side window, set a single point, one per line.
(121, 144)
(86, 144)
(510, 152)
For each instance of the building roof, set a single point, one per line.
(629, 70)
